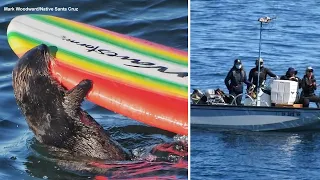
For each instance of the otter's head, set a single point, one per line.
(36, 59)
(30, 69)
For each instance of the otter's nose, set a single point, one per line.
(43, 47)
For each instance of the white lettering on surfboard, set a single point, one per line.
(137, 63)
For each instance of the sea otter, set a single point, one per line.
(54, 114)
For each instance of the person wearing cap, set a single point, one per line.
(253, 75)
(309, 85)
(235, 79)
(291, 75)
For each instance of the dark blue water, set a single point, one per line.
(21, 157)
(222, 31)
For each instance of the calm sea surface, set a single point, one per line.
(222, 31)
(161, 21)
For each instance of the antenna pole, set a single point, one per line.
(261, 20)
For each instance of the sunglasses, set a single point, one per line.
(310, 71)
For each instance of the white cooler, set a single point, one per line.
(284, 92)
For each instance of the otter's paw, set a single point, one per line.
(86, 84)
(76, 95)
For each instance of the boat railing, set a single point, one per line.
(234, 101)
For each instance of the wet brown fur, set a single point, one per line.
(54, 114)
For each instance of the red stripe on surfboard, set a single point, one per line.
(165, 112)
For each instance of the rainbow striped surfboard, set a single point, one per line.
(139, 79)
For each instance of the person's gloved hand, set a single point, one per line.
(293, 78)
(251, 88)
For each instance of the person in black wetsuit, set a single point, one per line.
(237, 76)
(253, 75)
(309, 85)
(291, 74)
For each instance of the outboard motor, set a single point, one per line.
(227, 98)
(213, 97)
(198, 97)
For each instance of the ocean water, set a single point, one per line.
(22, 157)
(222, 31)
